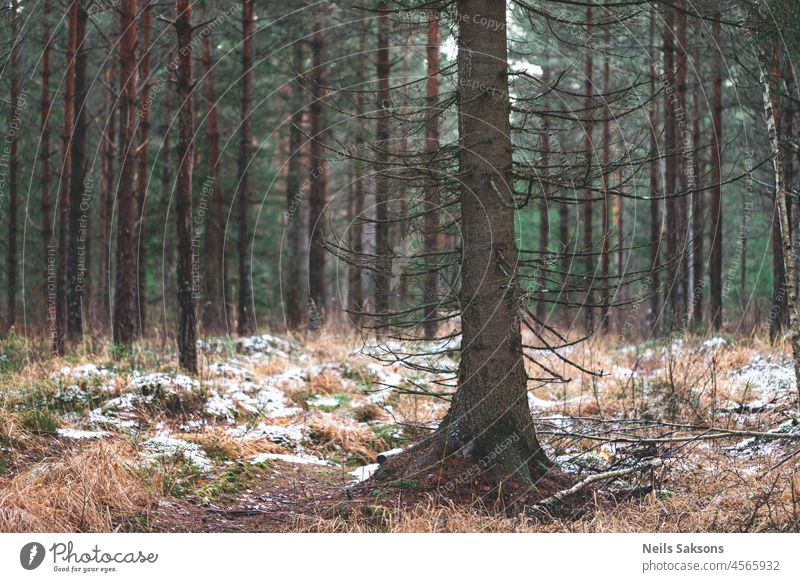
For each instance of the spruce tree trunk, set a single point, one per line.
(698, 211)
(214, 318)
(671, 204)
(124, 325)
(246, 323)
(187, 332)
(544, 205)
(355, 283)
(431, 285)
(489, 417)
(605, 261)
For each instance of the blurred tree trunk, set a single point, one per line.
(432, 236)
(383, 251)
(355, 283)
(246, 317)
(64, 183)
(108, 147)
(294, 197)
(318, 181)
(142, 176)
(187, 332)
(715, 217)
(588, 205)
(46, 201)
(13, 169)
(605, 260)
(213, 309)
(655, 198)
(698, 210)
(672, 211)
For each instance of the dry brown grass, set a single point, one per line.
(341, 434)
(100, 489)
(218, 443)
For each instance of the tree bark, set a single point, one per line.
(715, 216)
(106, 195)
(294, 197)
(187, 331)
(431, 225)
(654, 318)
(318, 182)
(489, 417)
(214, 312)
(142, 175)
(246, 324)
(64, 184)
(355, 282)
(13, 169)
(383, 251)
(605, 261)
(770, 102)
(672, 211)
(46, 202)
(124, 324)
(698, 211)
(588, 205)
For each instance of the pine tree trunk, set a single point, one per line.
(672, 211)
(544, 205)
(606, 210)
(682, 209)
(246, 323)
(317, 194)
(106, 196)
(187, 331)
(588, 205)
(64, 184)
(655, 199)
(431, 225)
(214, 318)
(715, 216)
(489, 417)
(698, 212)
(143, 176)
(294, 198)
(13, 170)
(355, 283)
(46, 201)
(80, 192)
(383, 251)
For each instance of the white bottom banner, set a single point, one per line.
(379, 557)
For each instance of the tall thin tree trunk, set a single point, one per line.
(124, 325)
(383, 251)
(246, 323)
(715, 216)
(698, 211)
(106, 196)
(13, 168)
(681, 130)
(64, 183)
(294, 198)
(318, 185)
(213, 309)
(655, 202)
(142, 175)
(46, 202)
(588, 205)
(80, 192)
(766, 60)
(544, 206)
(355, 283)
(431, 224)
(606, 209)
(672, 212)
(187, 331)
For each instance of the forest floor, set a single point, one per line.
(282, 434)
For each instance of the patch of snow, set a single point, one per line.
(163, 447)
(363, 473)
(289, 436)
(220, 406)
(320, 401)
(264, 344)
(83, 372)
(229, 369)
(70, 433)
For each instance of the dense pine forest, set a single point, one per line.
(459, 265)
